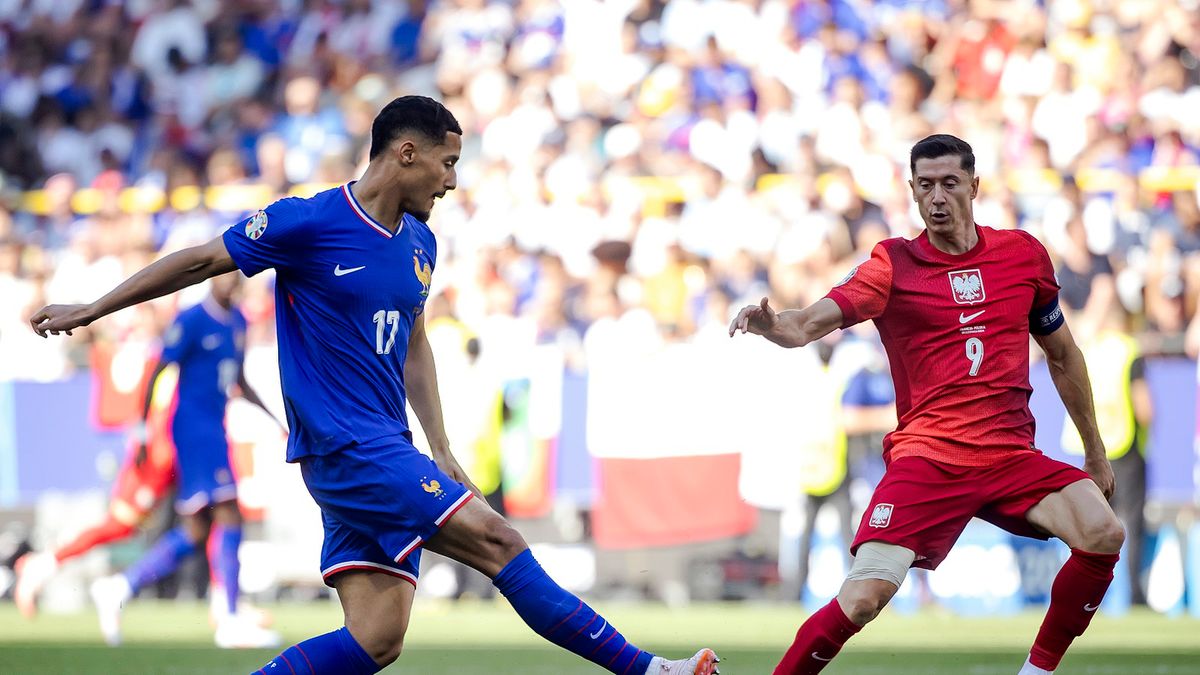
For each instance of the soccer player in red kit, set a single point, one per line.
(954, 307)
(146, 474)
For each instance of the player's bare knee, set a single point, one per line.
(196, 527)
(1106, 536)
(863, 602)
(391, 653)
(382, 641)
(504, 539)
(227, 514)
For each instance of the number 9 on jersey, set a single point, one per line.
(975, 354)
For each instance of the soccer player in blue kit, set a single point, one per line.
(353, 267)
(204, 349)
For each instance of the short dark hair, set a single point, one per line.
(941, 145)
(421, 114)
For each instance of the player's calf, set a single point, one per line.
(1075, 596)
(876, 575)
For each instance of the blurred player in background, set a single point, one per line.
(201, 362)
(144, 478)
(954, 308)
(354, 266)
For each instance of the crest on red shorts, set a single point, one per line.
(967, 286)
(882, 515)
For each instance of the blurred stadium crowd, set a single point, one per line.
(622, 160)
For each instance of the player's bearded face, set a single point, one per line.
(436, 175)
(943, 191)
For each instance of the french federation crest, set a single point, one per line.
(424, 271)
(967, 287)
(256, 225)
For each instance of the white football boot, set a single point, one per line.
(703, 663)
(33, 571)
(110, 595)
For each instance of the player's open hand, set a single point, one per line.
(55, 319)
(448, 464)
(1102, 474)
(759, 319)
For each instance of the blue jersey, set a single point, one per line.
(347, 292)
(207, 342)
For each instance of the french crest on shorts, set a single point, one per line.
(256, 225)
(433, 487)
(967, 286)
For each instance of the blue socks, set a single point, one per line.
(336, 653)
(552, 612)
(223, 563)
(160, 560)
(565, 620)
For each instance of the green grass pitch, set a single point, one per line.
(488, 639)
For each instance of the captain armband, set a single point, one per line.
(1047, 319)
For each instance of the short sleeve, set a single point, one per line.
(271, 238)
(176, 341)
(1045, 316)
(1045, 283)
(863, 294)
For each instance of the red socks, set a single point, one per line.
(109, 530)
(1074, 597)
(818, 641)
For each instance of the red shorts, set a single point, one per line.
(140, 487)
(924, 505)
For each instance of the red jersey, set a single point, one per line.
(956, 329)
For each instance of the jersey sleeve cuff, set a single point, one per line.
(849, 317)
(237, 252)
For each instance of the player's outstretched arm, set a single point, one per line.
(178, 270)
(1069, 372)
(789, 328)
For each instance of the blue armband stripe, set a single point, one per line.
(1047, 319)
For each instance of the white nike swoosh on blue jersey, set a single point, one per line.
(339, 272)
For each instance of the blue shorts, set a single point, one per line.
(379, 501)
(203, 471)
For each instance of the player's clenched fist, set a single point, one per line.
(758, 319)
(55, 319)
